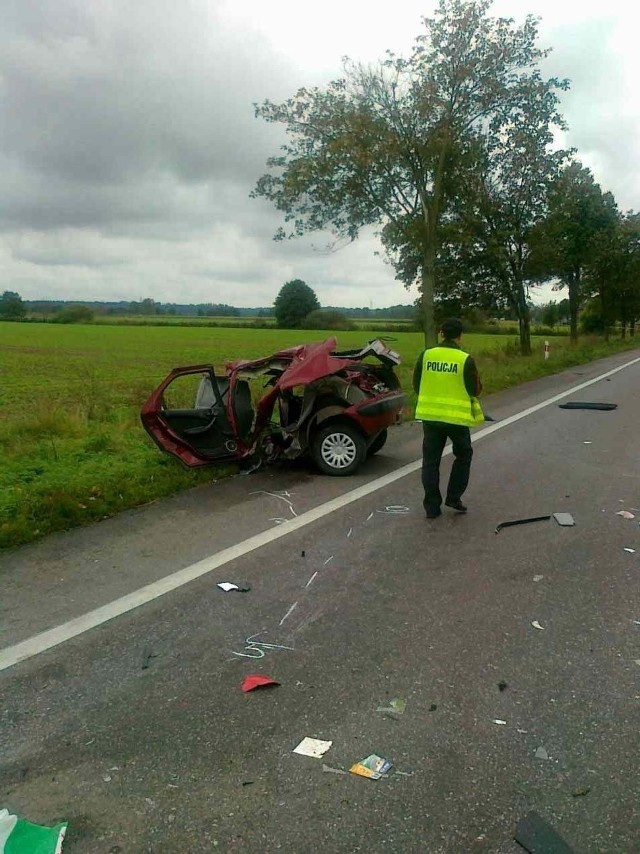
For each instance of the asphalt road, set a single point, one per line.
(174, 758)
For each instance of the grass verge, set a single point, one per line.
(72, 450)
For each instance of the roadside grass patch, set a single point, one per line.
(72, 448)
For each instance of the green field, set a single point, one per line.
(71, 444)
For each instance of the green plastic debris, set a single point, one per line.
(395, 709)
(18, 836)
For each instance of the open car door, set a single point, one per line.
(190, 416)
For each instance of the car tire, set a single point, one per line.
(338, 449)
(378, 443)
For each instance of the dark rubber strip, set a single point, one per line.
(605, 407)
(538, 837)
(522, 522)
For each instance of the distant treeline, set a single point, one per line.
(148, 308)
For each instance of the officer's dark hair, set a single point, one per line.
(451, 328)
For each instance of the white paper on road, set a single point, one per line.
(227, 586)
(313, 747)
(536, 625)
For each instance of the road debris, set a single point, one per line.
(521, 522)
(395, 709)
(146, 659)
(502, 685)
(581, 793)
(433, 707)
(329, 770)
(537, 836)
(369, 517)
(314, 747)
(536, 625)
(228, 586)
(255, 680)
(541, 753)
(22, 837)
(625, 514)
(395, 510)
(565, 520)
(256, 649)
(349, 532)
(605, 407)
(630, 551)
(499, 722)
(289, 612)
(279, 520)
(373, 767)
(537, 578)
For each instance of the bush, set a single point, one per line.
(74, 314)
(333, 320)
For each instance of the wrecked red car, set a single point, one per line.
(310, 399)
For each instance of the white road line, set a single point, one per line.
(289, 612)
(54, 637)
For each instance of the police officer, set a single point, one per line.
(446, 381)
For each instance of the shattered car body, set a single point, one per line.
(332, 405)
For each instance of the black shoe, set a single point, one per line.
(458, 506)
(433, 514)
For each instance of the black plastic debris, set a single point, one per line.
(605, 407)
(146, 659)
(502, 685)
(521, 522)
(433, 707)
(537, 836)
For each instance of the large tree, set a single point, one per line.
(497, 211)
(294, 302)
(11, 306)
(565, 242)
(389, 145)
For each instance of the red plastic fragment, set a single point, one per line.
(256, 681)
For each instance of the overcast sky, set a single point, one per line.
(128, 144)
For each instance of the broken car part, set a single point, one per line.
(521, 522)
(605, 407)
(566, 520)
(537, 836)
(255, 680)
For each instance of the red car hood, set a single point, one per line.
(309, 362)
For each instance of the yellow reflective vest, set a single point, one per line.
(443, 395)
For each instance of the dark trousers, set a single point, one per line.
(435, 438)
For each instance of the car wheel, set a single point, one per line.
(378, 443)
(338, 449)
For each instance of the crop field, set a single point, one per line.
(72, 449)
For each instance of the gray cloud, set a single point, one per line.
(128, 148)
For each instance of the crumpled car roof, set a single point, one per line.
(309, 362)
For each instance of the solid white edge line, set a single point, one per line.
(54, 637)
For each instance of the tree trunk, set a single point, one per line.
(428, 290)
(623, 329)
(632, 329)
(524, 320)
(431, 214)
(603, 312)
(574, 305)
